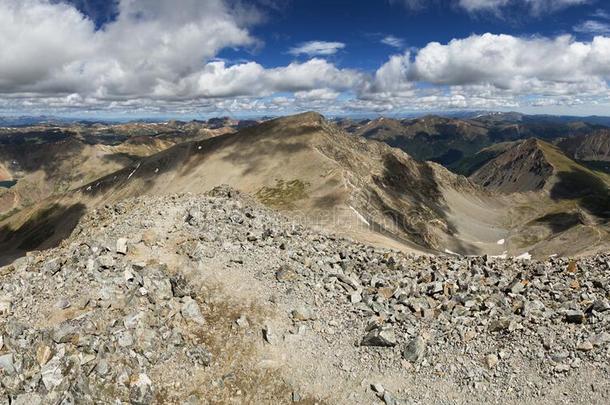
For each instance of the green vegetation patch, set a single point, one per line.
(529, 238)
(284, 194)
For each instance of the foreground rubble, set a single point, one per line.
(214, 299)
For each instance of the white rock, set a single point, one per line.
(121, 246)
(5, 306)
(190, 311)
(28, 399)
(355, 297)
(51, 373)
(6, 363)
(242, 321)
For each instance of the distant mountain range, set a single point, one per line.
(514, 117)
(453, 141)
(24, 121)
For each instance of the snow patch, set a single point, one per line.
(524, 256)
(134, 170)
(360, 216)
(452, 253)
(504, 255)
(501, 242)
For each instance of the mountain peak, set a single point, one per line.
(531, 144)
(523, 167)
(309, 117)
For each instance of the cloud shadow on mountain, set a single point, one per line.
(45, 229)
(591, 191)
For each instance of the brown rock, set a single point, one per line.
(571, 267)
(285, 274)
(491, 361)
(43, 354)
(386, 292)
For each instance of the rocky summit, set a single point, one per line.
(213, 298)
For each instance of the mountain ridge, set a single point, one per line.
(347, 185)
(309, 168)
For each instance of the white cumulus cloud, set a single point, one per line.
(153, 53)
(157, 57)
(317, 48)
(506, 61)
(50, 47)
(490, 71)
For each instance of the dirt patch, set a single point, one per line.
(244, 369)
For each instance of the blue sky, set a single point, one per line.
(199, 58)
(362, 24)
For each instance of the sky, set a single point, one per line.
(202, 58)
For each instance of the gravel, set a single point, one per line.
(95, 321)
